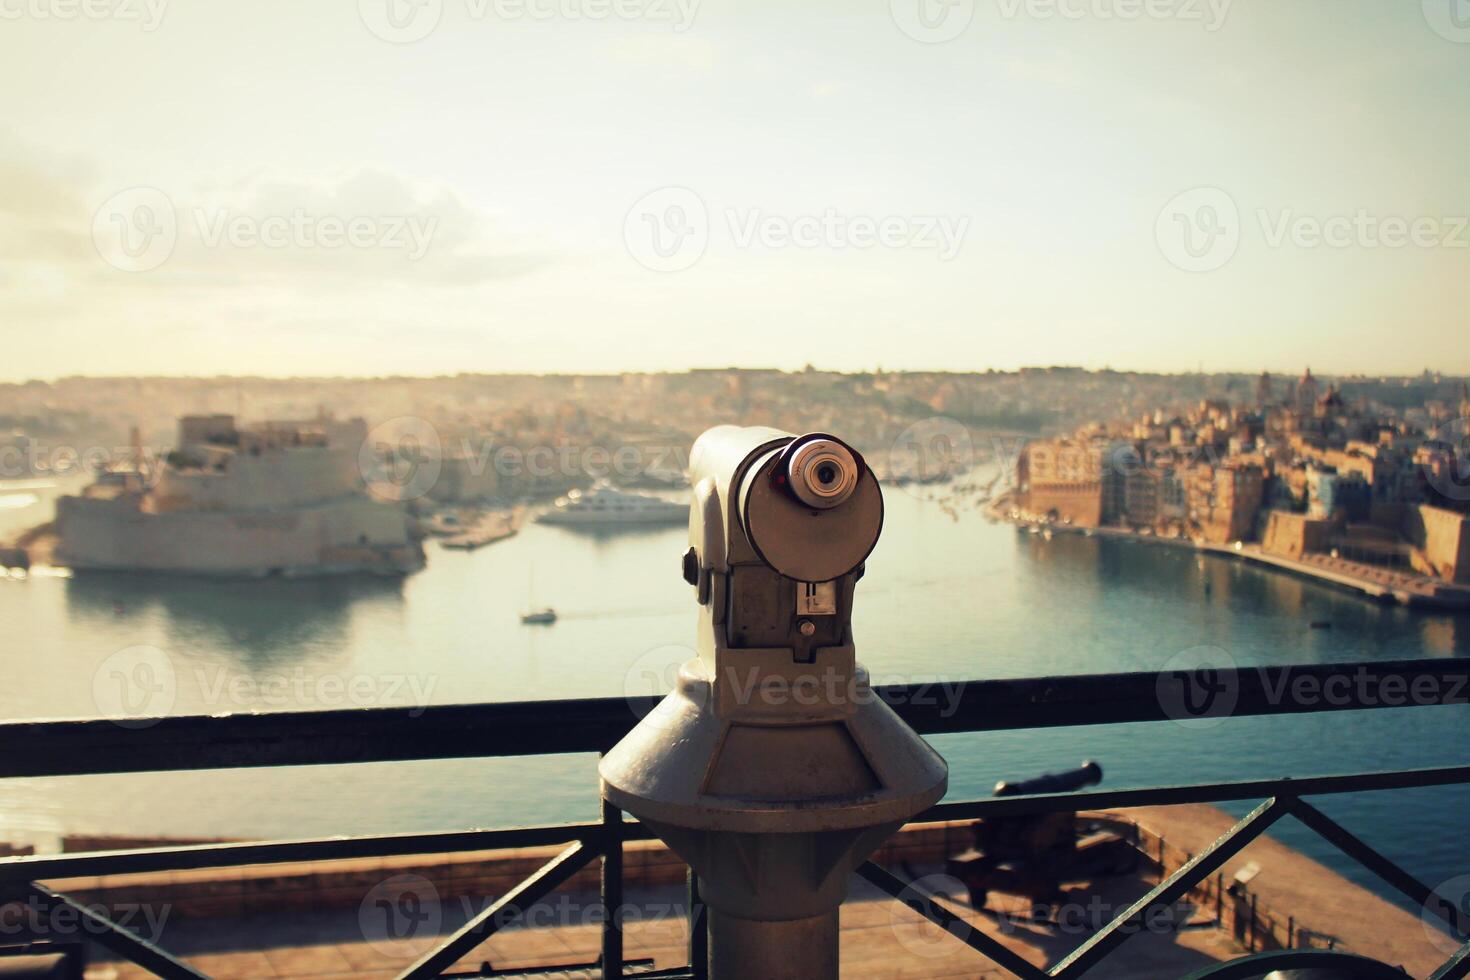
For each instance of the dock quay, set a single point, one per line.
(34, 546)
(1385, 585)
(314, 911)
(1372, 581)
(489, 528)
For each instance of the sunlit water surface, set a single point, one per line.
(944, 598)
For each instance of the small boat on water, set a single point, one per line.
(545, 615)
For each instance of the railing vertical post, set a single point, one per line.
(1220, 900)
(1254, 898)
(612, 891)
(698, 931)
(1291, 932)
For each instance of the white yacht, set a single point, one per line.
(603, 506)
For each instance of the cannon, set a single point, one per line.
(1035, 855)
(1087, 774)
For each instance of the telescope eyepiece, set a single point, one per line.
(822, 473)
(808, 507)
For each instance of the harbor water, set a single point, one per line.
(948, 597)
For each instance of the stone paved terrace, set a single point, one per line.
(324, 938)
(881, 940)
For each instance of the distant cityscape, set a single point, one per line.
(45, 422)
(1361, 474)
(1323, 473)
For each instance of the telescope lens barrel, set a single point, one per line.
(823, 473)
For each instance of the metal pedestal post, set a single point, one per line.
(793, 949)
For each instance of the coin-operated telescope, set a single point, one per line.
(772, 769)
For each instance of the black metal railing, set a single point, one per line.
(57, 748)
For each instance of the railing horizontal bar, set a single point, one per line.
(939, 914)
(1255, 789)
(1102, 699)
(298, 738)
(1457, 967)
(1171, 889)
(120, 940)
(48, 867)
(552, 874)
(524, 728)
(1344, 840)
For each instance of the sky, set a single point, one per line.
(368, 187)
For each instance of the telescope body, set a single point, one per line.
(772, 768)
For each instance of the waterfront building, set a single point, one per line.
(1122, 458)
(1321, 491)
(279, 497)
(1062, 478)
(1239, 490)
(1142, 491)
(1294, 535)
(1319, 474)
(1173, 499)
(1441, 542)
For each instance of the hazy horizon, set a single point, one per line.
(523, 186)
(1282, 375)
